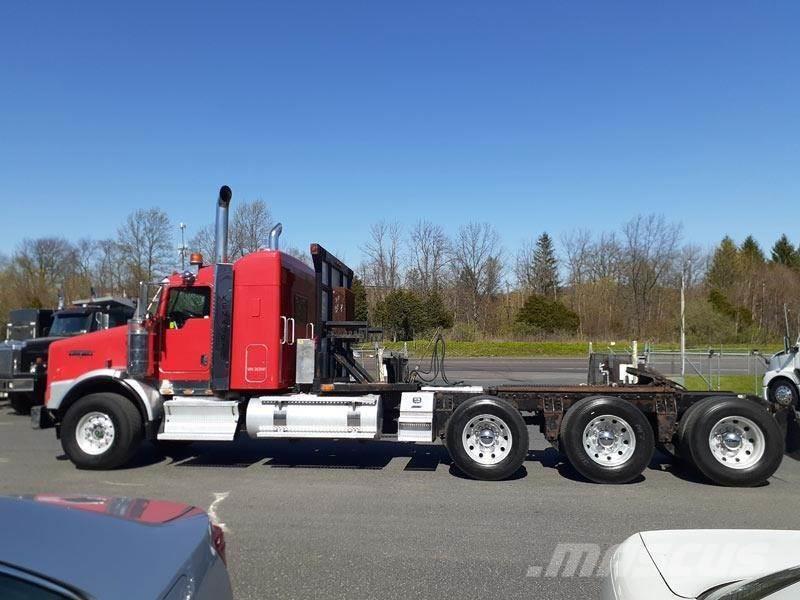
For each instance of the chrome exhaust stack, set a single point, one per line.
(274, 236)
(221, 226)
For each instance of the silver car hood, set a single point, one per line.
(696, 560)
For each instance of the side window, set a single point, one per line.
(12, 588)
(187, 303)
(300, 308)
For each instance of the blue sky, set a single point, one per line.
(531, 115)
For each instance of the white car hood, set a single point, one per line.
(695, 560)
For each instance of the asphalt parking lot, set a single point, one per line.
(368, 520)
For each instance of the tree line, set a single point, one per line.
(415, 278)
(592, 285)
(146, 246)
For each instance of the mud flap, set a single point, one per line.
(40, 418)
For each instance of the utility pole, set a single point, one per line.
(182, 249)
(683, 322)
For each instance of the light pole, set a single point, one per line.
(183, 247)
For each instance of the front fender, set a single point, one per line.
(63, 393)
(788, 373)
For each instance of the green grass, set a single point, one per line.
(741, 384)
(455, 349)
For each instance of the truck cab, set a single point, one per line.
(782, 380)
(23, 362)
(27, 323)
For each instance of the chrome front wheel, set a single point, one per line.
(95, 433)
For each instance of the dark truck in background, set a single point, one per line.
(29, 333)
(28, 323)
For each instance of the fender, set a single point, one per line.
(63, 393)
(790, 374)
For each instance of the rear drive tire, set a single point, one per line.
(487, 438)
(101, 431)
(21, 402)
(734, 442)
(685, 424)
(607, 440)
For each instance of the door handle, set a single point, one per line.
(293, 334)
(310, 325)
(285, 322)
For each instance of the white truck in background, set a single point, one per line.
(782, 379)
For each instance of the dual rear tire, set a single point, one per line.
(607, 440)
(731, 441)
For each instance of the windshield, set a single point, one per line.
(756, 589)
(20, 332)
(151, 307)
(71, 324)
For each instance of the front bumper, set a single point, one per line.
(17, 384)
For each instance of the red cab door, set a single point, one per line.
(186, 344)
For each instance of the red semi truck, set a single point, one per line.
(262, 347)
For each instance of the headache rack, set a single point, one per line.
(337, 330)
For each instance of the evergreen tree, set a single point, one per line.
(545, 267)
(434, 313)
(724, 270)
(784, 253)
(751, 252)
(547, 316)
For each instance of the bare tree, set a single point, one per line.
(605, 258)
(41, 266)
(250, 228)
(429, 256)
(203, 242)
(382, 268)
(578, 250)
(651, 249)
(109, 268)
(247, 232)
(145, 242)
(477, 263)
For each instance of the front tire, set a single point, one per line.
(487, 438)
(783, 392)
(607, 440)
(101, 431)
(734, 442)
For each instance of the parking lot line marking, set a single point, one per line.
(124, 484)
(5, 460)
(212, 510)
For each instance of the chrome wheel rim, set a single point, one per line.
(736, 442)
(95, 433)
(784, 394)
(487, 439)
(608, 440)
